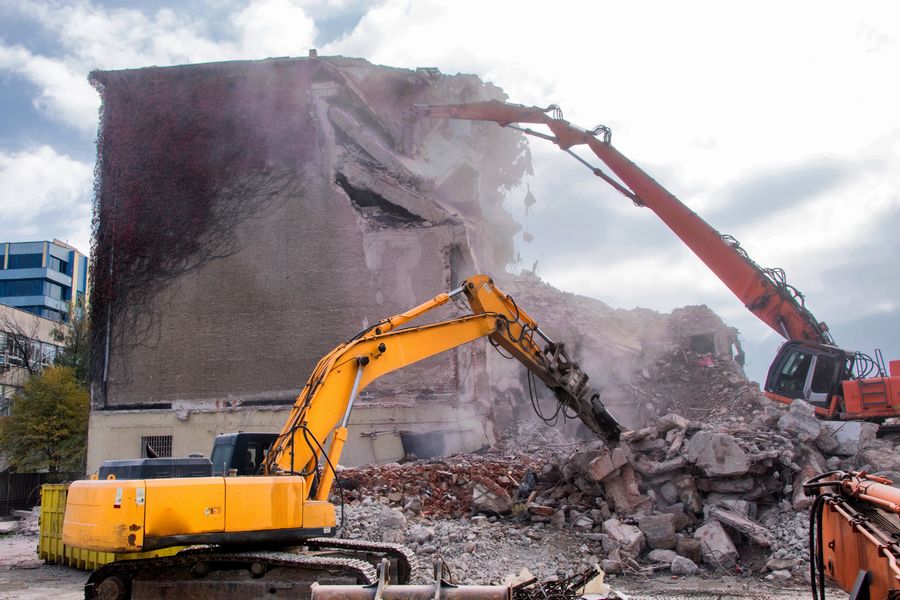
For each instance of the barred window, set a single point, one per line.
(161, 445)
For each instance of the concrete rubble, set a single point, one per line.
(719, 494)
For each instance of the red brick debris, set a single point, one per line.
(442, 485)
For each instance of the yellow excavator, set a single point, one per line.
(256, 516)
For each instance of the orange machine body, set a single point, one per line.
(855, 530)
(822, 375)
(872, 397)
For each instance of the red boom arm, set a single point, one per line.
(762, 291)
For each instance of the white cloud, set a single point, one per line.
(274, 28)
(42, 190)
(701, 93)
(63, 94)
(94, 37)
(718, 89)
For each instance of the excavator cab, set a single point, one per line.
(807, 371)
(240, 453)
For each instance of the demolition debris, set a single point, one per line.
(681, 496)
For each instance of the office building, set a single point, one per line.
(48, 279)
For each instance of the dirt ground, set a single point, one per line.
(24, 577)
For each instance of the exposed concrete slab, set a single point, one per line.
(718, 549)
(851, 435)
(717, 454)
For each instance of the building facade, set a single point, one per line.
(252, 215)
(48, 279)
(27, 343)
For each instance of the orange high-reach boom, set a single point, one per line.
(839, 383)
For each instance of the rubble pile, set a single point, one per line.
(681, 496)
(699, 385)
(444, 487)
(647, 363)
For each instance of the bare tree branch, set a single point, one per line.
(19, 339)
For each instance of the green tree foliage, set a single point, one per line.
(47, 426)
(76, 336)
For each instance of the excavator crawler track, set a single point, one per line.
(403, 562)
(211, 574)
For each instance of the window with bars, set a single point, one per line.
(160, 445)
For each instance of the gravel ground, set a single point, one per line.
(24, 577)
(481, 551)
(476, 550)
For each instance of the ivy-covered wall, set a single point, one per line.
(251, 215)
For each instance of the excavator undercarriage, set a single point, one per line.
(210, 573)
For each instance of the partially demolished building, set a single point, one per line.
(252, 215)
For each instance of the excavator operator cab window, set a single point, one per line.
(251, 462)
(792, 374)
(806, 375)
(821, 379)
(221, 457)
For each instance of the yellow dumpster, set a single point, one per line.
(51, 548)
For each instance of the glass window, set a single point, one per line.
(14, 356)
(58, 265)
(796, 364)
(25, 261)
(823, 375)
(54, 290)
(791, 378)
(22, 287)
(34, 352)
(48, 354)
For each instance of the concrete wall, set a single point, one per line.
(374, 432)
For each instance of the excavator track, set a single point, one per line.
(211, 574)
(403, 562)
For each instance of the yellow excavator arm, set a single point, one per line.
(323, 407)
(287, 503)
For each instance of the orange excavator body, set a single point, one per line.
(855, 535)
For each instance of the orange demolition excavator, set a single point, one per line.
(840, 384)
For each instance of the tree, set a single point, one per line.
(47, 426)
(76, 336)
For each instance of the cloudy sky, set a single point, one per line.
(776, 121)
